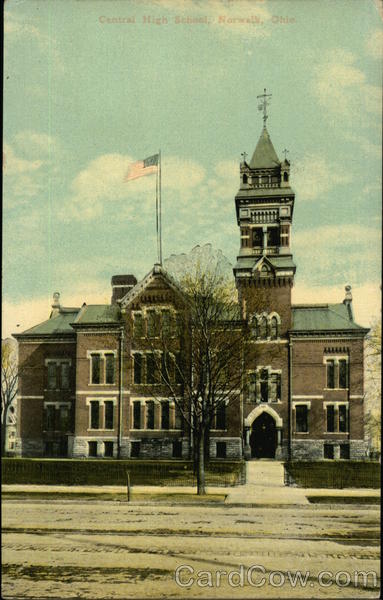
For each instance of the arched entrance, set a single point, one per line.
(263, 437)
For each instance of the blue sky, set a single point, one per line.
(90, 87)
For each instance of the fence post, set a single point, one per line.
(128, 485)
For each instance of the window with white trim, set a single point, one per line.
(337, 418)
(58, 374)
(102, 367)
(337, 373)
(301, 418)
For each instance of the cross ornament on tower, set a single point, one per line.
(285, 153)
(244, 154)
(263, 104)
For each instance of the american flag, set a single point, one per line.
(148, 166)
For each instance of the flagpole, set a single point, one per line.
(157, 214)
(160, 207)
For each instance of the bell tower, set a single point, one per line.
(264, 271)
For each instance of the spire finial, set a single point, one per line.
(285, 152)
(244, 154)
(263, 105)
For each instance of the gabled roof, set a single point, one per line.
(323, 317)
(57, 325)
(277, 262)
(264, 156)
(98, 314)
(155, 272)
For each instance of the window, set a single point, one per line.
(285, 235)
(264, 385)
(138, 325)
(344, 451)
(150, 368)
(221, 450)
(52, 376)
(136, 414)
(137, 368)
(330, 374)
(135, 449)
(108, 449)
(273, 236)
(343, 373)
(65, 376)
(177, 449)
(301, 419)
(166, 323)
(165, 368)
(108, 408)
(328, 451)
(95, 368)
(337, 373)
(330, 418)
(275, 387)
(92, 449)
(244, 178)
(109, 368)
(273, 328)
(150, 414)
(253, 387)
(165, 415)
(152, 323)
(285, 177)
(257, 237)
(343, 418)
(49, 417)
(221, 416)
(94, 414)
(63, 415)
(263, 328)
(178, 417)
(245, 237)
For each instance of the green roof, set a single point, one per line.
(323, 317)
(94, 314)
(60, 324)
(264, 156)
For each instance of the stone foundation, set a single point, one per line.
(233, 447)
(28, 447)
(314, 449)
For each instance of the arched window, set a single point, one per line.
(274, 328)
(285, 176)
(263, 328)
(244, 178)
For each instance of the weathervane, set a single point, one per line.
(263, 104)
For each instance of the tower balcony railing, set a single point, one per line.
(264, 185)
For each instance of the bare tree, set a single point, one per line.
(208, 377)
(9, 383)
(373, 388)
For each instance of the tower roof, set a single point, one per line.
(264, 156)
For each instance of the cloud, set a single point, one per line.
(15, 28)
(30, 142)
(341, 87)
(315, 176)
(15, 165)
(366, 298)
(364, 144)
(374, 45)
(333, 253)
(101, 184)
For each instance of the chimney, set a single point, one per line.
(348, 302)
(55, 305)
(121, 285)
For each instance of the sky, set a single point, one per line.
(91, 86)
